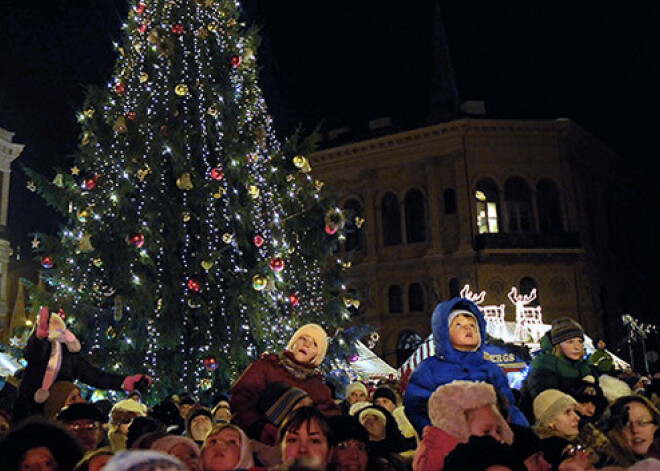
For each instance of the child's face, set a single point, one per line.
(464, 333)
(573, 349)
(305, 349)
(483, 421)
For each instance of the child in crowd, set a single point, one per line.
(459, 410)
(459, 332)
(561, 365)
(297, 366)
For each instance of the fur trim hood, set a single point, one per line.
(450, 402)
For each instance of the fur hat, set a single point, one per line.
(58, 393)
(386, 393)
(196, 411)
(143, 460)
(358, 406)
(549, 404)
(564, 329)
(613, 388)
(448, 404)
(362, 416)
(357, 386)
(480, 453)
(124, 411)
(320, 337)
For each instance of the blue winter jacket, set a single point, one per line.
(450, 364)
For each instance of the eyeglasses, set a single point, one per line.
(347, 445)
(81, 427)
(641, 423)
(571, 451)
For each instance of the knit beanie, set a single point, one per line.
(549, 404)
(125, 410)
(320, 337)
(386, 393)
(358, 406)
(460, 312)
(565, 328)
(284, 404)
(59, 391)
(356, 386)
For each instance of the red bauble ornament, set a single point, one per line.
(277, 264)
(131, 115)
(47, 262)
(137, 240)
(177, 29)
(330, 230)
(140, 8)
(193, 285)
(120, 88)
(210, 363)
(90, 183)
(142, 28)
(258, 240)
(294, 299)
(217, 174)
(236, 61)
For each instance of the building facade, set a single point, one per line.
(493, 204)
(9, 151)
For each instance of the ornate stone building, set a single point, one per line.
(492, 203)
(9, 151)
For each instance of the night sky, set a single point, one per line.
(342, 63)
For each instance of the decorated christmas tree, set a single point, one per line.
(195, 240)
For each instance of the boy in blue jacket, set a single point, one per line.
(459, 332)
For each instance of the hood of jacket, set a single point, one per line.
(440, 328)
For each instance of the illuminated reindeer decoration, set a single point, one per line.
(529, 319)
(494, 315)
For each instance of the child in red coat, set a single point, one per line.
(297, 367)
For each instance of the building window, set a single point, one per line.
(454, 288)
(416, 298)
(519, 205)
(487, 201)
(450, 201)
(406, 345)
(527, 285)
(395, 297)
(391, 220)
(353, 232)
(415, 217)
(547, 197)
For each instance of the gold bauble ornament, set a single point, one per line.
(83, 214)
(227, 238)
(212, 27)
(181, 89)
(120, 125)
(259, 282)
(253, 191)
(212, 111)
(207, 264)
(186, 216)
(144, 77)
(184, 182)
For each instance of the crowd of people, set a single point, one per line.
(456, 413)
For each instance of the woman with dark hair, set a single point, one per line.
(633, 429)
(305, 435)
(39, 444)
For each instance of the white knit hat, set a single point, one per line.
(549, 404)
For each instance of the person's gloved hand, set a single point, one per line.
(42, 323)
(136, 382)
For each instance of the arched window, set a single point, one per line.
(487, 198)
(416, 302)
(527, 285)
(454, 288)
(391, 220)
(395, 298)
(353, 232)
(415, 217)
(450, 201)
(406, 345)
(519, 205)
(549, 207)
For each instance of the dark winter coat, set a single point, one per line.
(549, 371)
(74, 366)
(449, 364)
(271, 368)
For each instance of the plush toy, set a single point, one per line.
(53, 353)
